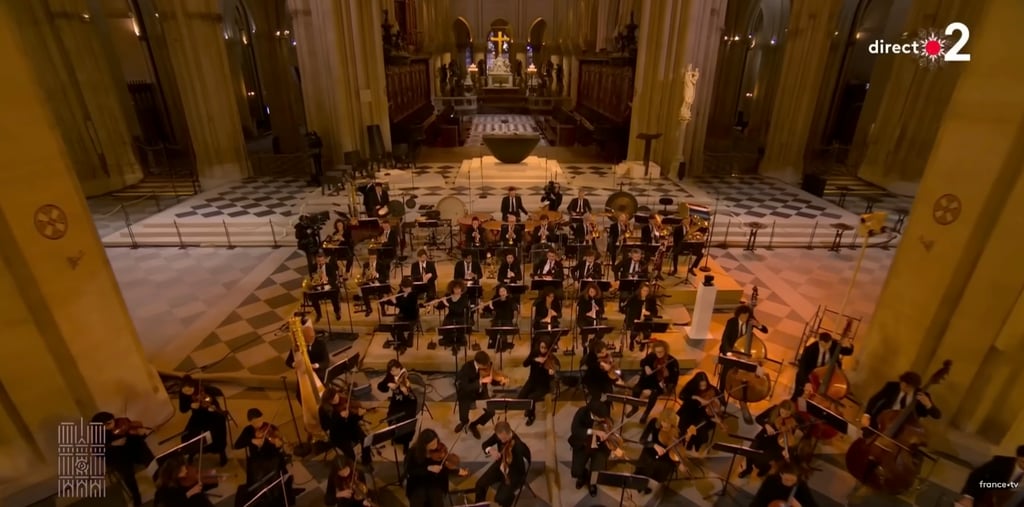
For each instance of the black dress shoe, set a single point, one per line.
(580, 483)
(475, 431)
(529, 420)
(593, 491)
(459, 427)
(745, 473)
(632, 345)
(337, 316)
(632, 412)
(692, 271)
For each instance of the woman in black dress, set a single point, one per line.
(655, 459)
(426, 482)
(642, 307)
(538, 384)
(547, 310)
(206, 415)
(346, 487)
(175, 487)
(340, 244)
(503, 312)
(402, 405)
(589, 311)
(697, 410)
(456, 302)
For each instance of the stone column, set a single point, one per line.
(765, 88)
(706, 20)
(272, 43)
(954, 291)
(342, 64)
(905, 103)
(65, 323)
(194, 31)
(602, 36)
(811, 28)
(732, 53)
(236, 54)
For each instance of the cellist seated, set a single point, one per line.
(785, 486)
(819, 354)
(896, 395)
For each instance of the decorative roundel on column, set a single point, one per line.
(947, 209)
(51, 221)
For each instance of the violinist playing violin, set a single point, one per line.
(126, 447)
(402, 405)
(176, 486)
(818, 354)
(642, 307)
(340, 417)
(659, 374)
(780, 429)
(206, 415)
(346, 487)
(784, 488)
(508, 472)
(1000, 470)
(896, 395)
(601, 376)
(589, 311)
(542, 362)
(657, 461)
(588, 442)
(264, 449)
(700, 409)
(427, 467)
(471, 385)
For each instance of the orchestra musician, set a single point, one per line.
(617, 234)
(818, 354)
(774, 421)
(547, 310)
(542, 362)
(508, 472)
(587, 443)
(340, 240)
(471, 386)
(699, 410)
(476, 235)
(552, 195)
(589, 311)
(659, 374)
(632, 268)
(125, 447)
(340, 417)
(264, 449)
(998, 470)
(512, 205)
(642, 307)
(408, 312)
(346, 487)
(457, 305)
(388, 243)
(511, 234)
(543, 233)
(655, 460)
(579, 205)
(551, 269)
(895, 395)
(325, 279)
(600, 370)
(589, 268)
(319, 358)
(426, 473)
(206, 415)
(503, 312)
(175, 487)
(373, 273)
(510, 272)
(424, 270)
(786, 487)
(402, 403)
(736, 328)
(653, 231)
(375, 197)
(469, 269)
(682, 247)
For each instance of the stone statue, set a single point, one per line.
(689, 92)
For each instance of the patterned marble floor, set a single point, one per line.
(501, 124)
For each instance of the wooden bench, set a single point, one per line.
(559, 127)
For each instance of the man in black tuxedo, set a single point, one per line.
(374, 197)
(507, 481)
(469, 269)
(470, 387)
(681, 247)
(388, 242)
(896, 395)
(632, 267)
(512, 204)
(511, 234)
(736, 329)
(550, 269)
(617, 234)
(588, 268)
(424, 270)
(319, 358)
(579, 205)
(582, 438)
(544, 233)
(324, 279)
(982, 483)
(816, 355)
(374, 272)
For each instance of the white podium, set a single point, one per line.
(699, 328)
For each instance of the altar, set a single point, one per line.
(499, 73)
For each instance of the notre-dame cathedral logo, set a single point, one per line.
(81, 469)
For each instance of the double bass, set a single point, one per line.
(887, 460)
(748, 386)
(830, 386)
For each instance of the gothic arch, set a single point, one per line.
(537, 29)
(463, 33)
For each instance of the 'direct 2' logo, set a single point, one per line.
(931, 47)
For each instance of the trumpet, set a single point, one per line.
(476, 237)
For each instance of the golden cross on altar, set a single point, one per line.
(500, 39)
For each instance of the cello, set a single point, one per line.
(887, 459)
(830, 386)
(751, 386)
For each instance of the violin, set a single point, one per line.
(447, 459)
(613, 441)
(506, 458)
(360, 491)
(496, 376)
(193, 476)
(201, 400)
(671, 434)
(608, 364)
(550, 362)
(270, 432)
(124, 426)
(713, 405)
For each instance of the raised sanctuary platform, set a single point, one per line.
(511, 148)
(488, 170)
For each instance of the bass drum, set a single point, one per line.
(622, 202)
(451, 208)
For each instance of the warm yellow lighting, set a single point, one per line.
(251, 94)
(86, 16)
(749, 94)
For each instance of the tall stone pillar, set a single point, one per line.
(732, 54)
(811, 28)
(706, 20)
(341, 58)
(272, 43)
(194, 31)
(765, 88)
(954, 289)
(905, 104)
(64, 320)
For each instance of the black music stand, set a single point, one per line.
(552, 336)
(628, 285)
(342, 367)
(457, 332)
(267, 495)
(515, 289)
(727, 363)
(498, 335)
(625, 400)
(826, 416)
(598, 332)
(604, 285)
(504, 405)
(539, 284)
(402, 327)
(621, 481)
(735, 450)
(387, 435)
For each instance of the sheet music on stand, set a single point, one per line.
(274, 494)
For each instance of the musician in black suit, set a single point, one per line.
(681, 247)
(642, 307)
(469, 269)
(896, 395)
(547, 310)
(998, 470)
(633, 267)
(374, 197)
(538, 383)
(456, 302)
(324, 281)
(402, 404)
(659, 374)
(736, 327)
(579, 205)
(470, 387)
(584, 232)
(343, 424)
(124, 450)
(589, 268)
(408, 313)
(589, 311)
(374, 272)
(510, 271)
(512, 204)
(511, 235)
(550, 269)
(816, 355)
(424, 270)
(582, 439)
(316, 349)
(552, 196)
(202, 404)
(476, 237)
(617, 234)
(544, 233)
(779, 487)
(388, 242)
(508, 472)
(596, 378)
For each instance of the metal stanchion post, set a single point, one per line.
(771, 236)
(725, 238)
(273, 233)
(810, 241)
(181, 242)
(227, 234)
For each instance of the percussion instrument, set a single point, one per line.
(554, 217)
(622, 202)
(452, 208)
(493, 225)
(396, 209)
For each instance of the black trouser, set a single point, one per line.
(125, 471)
(770, 451)
(318, 168)
(703, 432)
(652, 385)
(347, 446)
(426, 497)
(505, 494)
(634, 333)
(656, 467)
(696, 251)
(535, 391)
(597, 458)
(465, 405)
(331, 295)
(403, 338)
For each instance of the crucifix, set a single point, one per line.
(500, 39)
